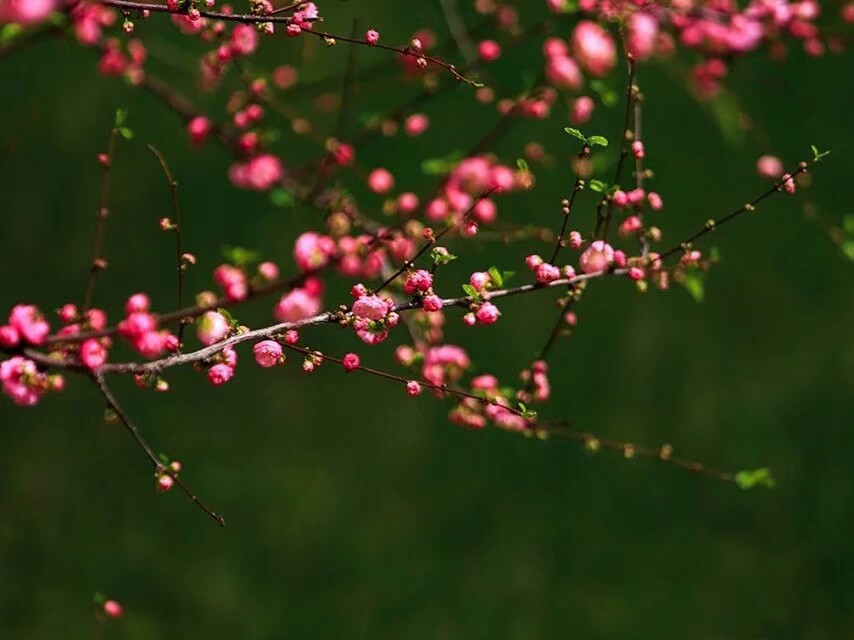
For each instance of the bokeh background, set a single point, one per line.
(353, 511)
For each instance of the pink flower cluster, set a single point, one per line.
(301, 302)
(140, 328)
(372, 316)
(464, 189)
(24, 383)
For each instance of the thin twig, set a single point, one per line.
(97, 263)
(176, 228)
(159, 467)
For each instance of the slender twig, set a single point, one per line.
(442, 388)
(606, 205)
(176, 228)
(663, 454)
(97, 262)
(566, 205)
(712, 224)
(159, 467)
(250, 18)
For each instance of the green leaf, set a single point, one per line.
(818, 155)
(522, 164)
(441, 257)
(9, 32)
(728, 114)
(496, 275)
(441, 166)
(121, 118)
(848, 224)
(506, 275)
(598, 186)
(125, 133)
(239, 256)
(694, 284)
(848, 249)
(608, 96)
(755, 478)
(471, 291)
(575, 133)
(282, 198)
(602, 141)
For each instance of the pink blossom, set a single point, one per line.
(269, 271)
(597, 257)
(25, 11)
(407, 202)
(244, 39)
(92, 353)
(416, 124)
(479, 279)
(220, 374)
(29, 322)
(371, 307)
(487, 313)
(413, 388)
(582, 109)
(630, 225)
(165, 482)
(9, 336)
(642, 35)
(268, 353)
(212, 327)
(575, 240)
(769, 167)
(68, 312)
(380, 181)
(22, 381)
(655, 201)
(533, 261)
(112, 608)
(138, 302)
(546, 273)
(351, 362)
(431, 303)
(198, 129)
(594, 48)
(372, 36)
(313, 251)
(420, 281)
(562, 71)
(297, 305)
(489, 50)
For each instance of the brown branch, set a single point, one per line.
(176, 228)
(97, 262)
(629, 450)
(159, 467)
(606, 205)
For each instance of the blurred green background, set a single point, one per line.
(353, 511)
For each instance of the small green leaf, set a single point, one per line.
(755, 478)
(848, 224)
(602, 141)
(694, 284)
(125, 133)
(818, 155)
(522, 164)
(10, 31)
(598, 186)
(575, 133)
(609, 97)
(496, 275)
(282, 198)
(506, 275)
(440, 255)
(471, 291)
(121, 118)
(848, 249)
(239, 256)
(441, 166)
